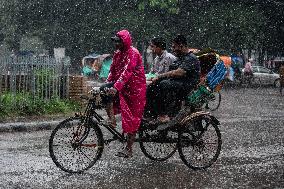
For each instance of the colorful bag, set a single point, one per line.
(216, 75)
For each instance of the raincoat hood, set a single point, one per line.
(126, 38)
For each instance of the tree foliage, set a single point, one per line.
(87, 25)
(228, 26)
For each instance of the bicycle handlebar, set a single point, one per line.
(94, 92)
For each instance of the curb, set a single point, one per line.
(38, 125)
(29, 126)
(49, 125)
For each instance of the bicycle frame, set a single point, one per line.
(90, 112)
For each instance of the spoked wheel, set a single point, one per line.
(214, 103)
(75, 145)
(247, 81)
(200, 142)
(256, 82)
(158, 145)
(251, 82)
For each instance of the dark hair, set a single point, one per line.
(180, 39)
(159, 42)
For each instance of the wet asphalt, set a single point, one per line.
(252, 155)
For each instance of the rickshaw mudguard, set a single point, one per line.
(199, 114)
(215, 120)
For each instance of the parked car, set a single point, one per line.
(266, 76)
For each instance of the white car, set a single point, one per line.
(266, 76)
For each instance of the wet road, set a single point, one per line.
(252, 156)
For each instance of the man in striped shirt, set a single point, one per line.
(163, 59)
(161, 65)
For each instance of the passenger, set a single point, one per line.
(161, 65)
(281, 73)
(163, 59)
(182, 77)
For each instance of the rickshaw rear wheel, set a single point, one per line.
(199, 143)
(214, 103)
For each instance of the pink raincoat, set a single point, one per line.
(127, 71)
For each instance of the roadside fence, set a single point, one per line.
(43, 77)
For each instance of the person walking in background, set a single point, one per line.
(126, 83)
(248, 68)
(149, 59)
(281, 73)
(269, 64)
(236, 66)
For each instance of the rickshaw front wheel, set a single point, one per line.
(199, 143)
(157, 145)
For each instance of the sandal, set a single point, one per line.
(125, 153)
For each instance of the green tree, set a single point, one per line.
(87, 25)
(225, 25)
(11, 26)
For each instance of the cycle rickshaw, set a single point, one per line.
(77, 143)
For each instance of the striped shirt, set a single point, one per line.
(162, 63)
